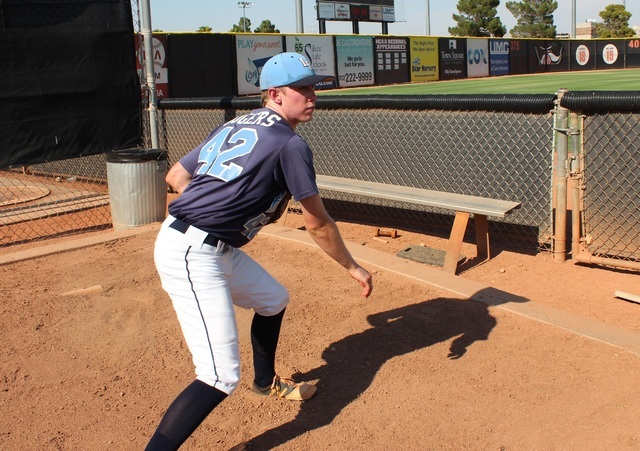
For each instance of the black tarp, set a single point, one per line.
(68, 81)
(201, 65)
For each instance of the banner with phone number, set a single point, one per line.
(354, 57)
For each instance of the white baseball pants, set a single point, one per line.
(204, 283)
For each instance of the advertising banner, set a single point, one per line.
(499, 57)
(537, 56)
(632, 47)
(365, 2)
(392, 56)
(477, 58)
(518, 57)
(160, 64)
(453, 64)
(354, 56)
(326, 11)
(610, 54)
(547, 56)
(583, 55)
(319, 51)
(424, 59)
(361, 10)
(558, 56)
(252, 51)
(201, 65)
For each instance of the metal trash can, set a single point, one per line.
(137, 187)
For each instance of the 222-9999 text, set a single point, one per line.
(360, 76)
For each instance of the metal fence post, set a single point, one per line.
(150, 72)
(560, 132)
(575, 180)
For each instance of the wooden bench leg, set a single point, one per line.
(482, 236)
(455, 241)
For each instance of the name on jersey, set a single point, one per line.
(264, 118)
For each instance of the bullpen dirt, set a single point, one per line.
(92, 355)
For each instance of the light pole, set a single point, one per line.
(427, 28)
(299, 18)
(573, 19)
(244, 6)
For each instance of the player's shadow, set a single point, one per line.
(352, 362)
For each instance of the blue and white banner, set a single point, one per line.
(499, 57)
(477, 58)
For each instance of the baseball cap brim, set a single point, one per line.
(311, 80)
(289, 69)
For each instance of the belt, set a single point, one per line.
(182, 227)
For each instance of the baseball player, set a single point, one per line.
(235, 182)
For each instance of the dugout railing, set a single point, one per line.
(582, 146)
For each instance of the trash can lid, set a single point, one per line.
(136, 155)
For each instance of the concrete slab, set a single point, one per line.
(76, 243)
(436, 278)
(426, 255)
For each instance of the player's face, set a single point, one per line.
(298, 103)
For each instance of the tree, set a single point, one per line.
(243, 26)
(615, 23)
(534, 18)
(266, 27)
(204, 29)
(477, 18)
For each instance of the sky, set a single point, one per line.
(411, 15)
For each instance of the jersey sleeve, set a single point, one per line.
(298, 174)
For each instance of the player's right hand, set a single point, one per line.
(364, 278)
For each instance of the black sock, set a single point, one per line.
(184, 415)
(265, 331)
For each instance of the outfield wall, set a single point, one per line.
(229, 64)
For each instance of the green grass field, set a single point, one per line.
(549, 83)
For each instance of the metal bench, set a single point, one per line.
(464, 205)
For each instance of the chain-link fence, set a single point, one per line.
(603, 177)
(499, 153)
(53, 199)
(611, 218)
(500, 148)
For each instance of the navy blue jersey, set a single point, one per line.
(243, 175)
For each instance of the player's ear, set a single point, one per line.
(275, 95)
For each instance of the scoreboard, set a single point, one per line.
(363, 10)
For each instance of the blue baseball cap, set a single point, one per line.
(288, 69)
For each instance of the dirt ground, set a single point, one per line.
(411, 368)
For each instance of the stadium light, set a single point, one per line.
(244, 6)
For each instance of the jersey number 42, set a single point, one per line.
(216, 155)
